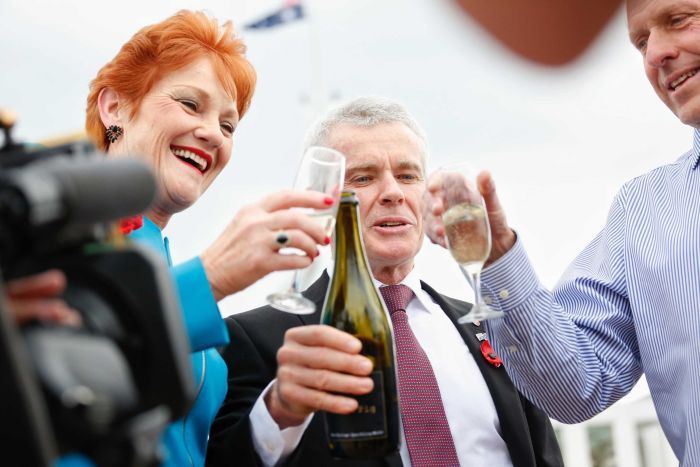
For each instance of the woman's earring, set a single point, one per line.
(113, 132)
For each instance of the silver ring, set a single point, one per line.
(282, 238)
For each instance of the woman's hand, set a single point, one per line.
(247, 249)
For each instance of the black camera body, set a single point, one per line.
(107, 388)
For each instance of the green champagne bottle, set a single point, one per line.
(353, 305)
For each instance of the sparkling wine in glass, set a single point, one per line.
(467, 231)
(323, 170)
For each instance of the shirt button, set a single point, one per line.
(270, 446)
(488, 300)
(504, 294)
(512, 348)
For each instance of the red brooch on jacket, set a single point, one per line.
(489, 354)
(129, 224)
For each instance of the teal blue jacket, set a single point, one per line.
(185, 441)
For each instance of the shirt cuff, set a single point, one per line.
(272, 444)
(511, 285)
(510, 281)
(205, 327)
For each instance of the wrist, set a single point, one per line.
(210, 270)
(501, 245)
(280, 411)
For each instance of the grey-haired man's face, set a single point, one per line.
(385, 169)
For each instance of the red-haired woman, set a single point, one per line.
(173, 96)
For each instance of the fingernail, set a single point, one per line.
(327, 240)
(328, 200)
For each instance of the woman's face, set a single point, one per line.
(184, 130)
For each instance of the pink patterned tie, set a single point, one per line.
(422, 413)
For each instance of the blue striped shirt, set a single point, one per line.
(629, 303)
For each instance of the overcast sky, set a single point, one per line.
(560, 142)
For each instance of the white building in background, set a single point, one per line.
(627, 434)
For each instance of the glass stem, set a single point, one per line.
(476, 284)
(295, 282)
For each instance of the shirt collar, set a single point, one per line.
(412, 280)
(696, 148)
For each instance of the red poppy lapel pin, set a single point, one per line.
(489, 354)
(487, 351)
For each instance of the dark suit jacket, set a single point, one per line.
(251, 358)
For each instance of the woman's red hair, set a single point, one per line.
(164, 47)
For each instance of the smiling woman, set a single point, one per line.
(184, 128)
(173, 97)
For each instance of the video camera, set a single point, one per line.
(107, 388)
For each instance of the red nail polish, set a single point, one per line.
(327, 240)
(328, 200)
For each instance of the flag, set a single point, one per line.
(290, 11)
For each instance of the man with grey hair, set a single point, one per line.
(283, 368)
(365, 112)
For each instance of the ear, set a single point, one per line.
(110, 106)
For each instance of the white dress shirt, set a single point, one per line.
(469, 407)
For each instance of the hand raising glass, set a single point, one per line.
(467, 231)
(321, 169)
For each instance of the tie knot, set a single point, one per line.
(397, 297)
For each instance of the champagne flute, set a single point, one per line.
(321, 169)
(467, 231)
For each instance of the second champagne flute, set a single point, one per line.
(467, 231)
(323, 170)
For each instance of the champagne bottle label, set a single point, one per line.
(368, 422)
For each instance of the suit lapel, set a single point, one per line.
(514, 427)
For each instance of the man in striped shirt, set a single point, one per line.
(578, 349)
